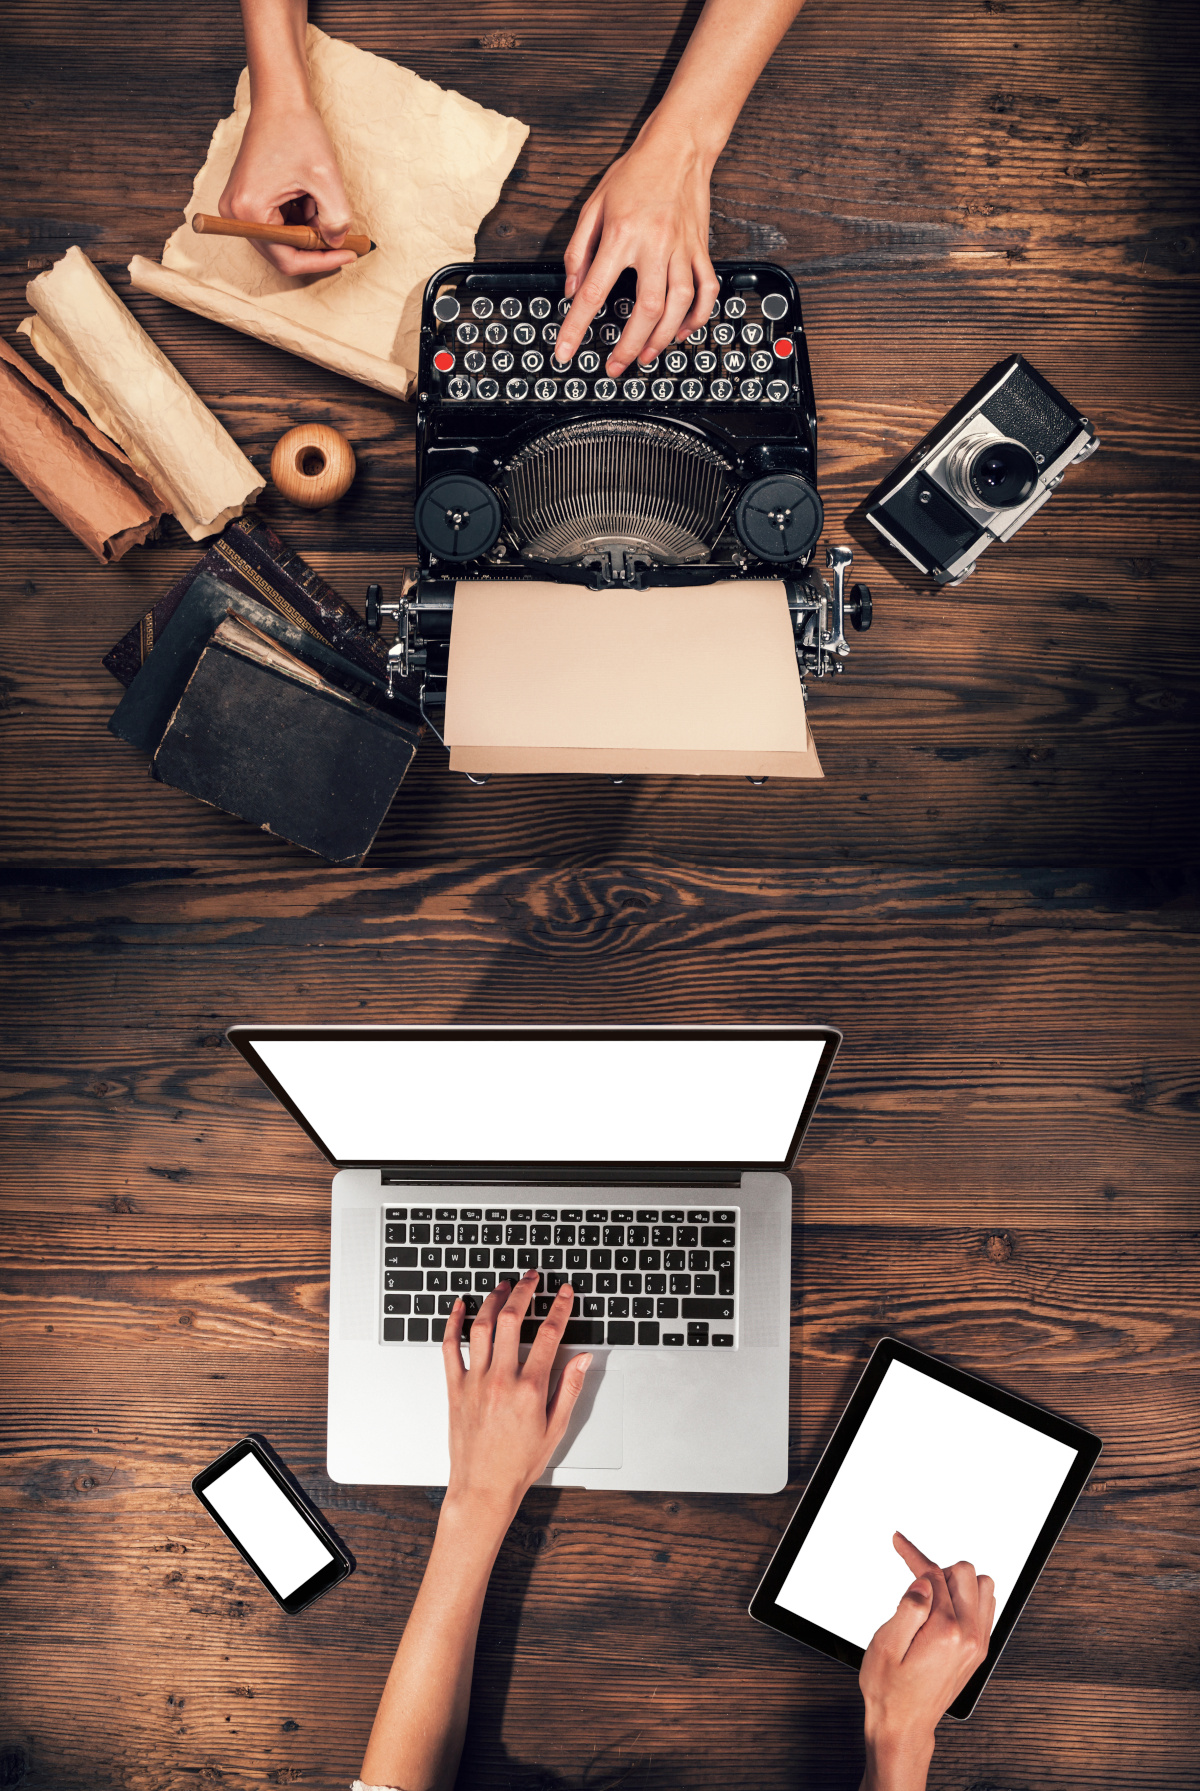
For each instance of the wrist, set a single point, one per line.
(897, 1757)
(477, 1519)
(675, 133)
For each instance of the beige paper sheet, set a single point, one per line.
(130, 389)
(69, 465)
(422, 168)
(554, 677)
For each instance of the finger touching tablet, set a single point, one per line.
(964, 1471)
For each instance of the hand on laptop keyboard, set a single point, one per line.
(503, 1426)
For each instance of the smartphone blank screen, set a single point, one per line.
(283, 1548)
(962, 1481)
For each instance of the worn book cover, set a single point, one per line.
(250, 558)
(261, 734)
(144, 711)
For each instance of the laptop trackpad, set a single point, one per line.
(594, 1435)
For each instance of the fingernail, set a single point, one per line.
(530, 1275)
(566, 1288)
(583, 1363)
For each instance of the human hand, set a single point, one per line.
(286, 173)
(650, 212)
(502, 1430)
(918, 1662)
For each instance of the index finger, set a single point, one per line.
(550, 1331)
(597, 284)
(921, 1565)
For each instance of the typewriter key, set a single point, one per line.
(734, 361)
(589, 361)
(662, 389)
(467, 332)
(487, 389)
(510, 308)
(784, 347)
(545, 389)
(648, 366)
(524, 333)
(721, 390)
(533, 361)
(496, 333)
(761, 361)
(752, 334)
(777, 390)
(575, 389)
(557, 366)
(502, 361)
(474, 360)
(774, 306)
(692, 390)
(443, 360)
(609, 333)
(623, 308)
(735, 307)
(779, 517)
(706, 361)
(751, 390)
(606, 388)
(481, 307)
(445, 309)
(716, 310)
(517, 389)
(457, 517)
(723, 334)
(539, 308)
(564, 305)
(550, 332)
(675, 361)
(634, 389)
(697, 336)
(458, 387)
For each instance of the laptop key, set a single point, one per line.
(697, 1259)
(400, 1259)
(621, 1215)
(443, 1234)
(577, 1259)
(600, 1259)
(674, 1259)
(418, 1330)
(656, 1284)
(717, 1237)
(424, 1303)
(460, 1281)
(631, 1284)
(542, 1304)
(650, 1259)
(418, 1234)
(564, 1234)
(724, 1218)
(396, 1212)
(520, 1215)
(648, 1333)
(485, 1280)
(527, 1258)
(681, 1284)
(722, 1339)
(725, 1281)
(673, 1339)
(393, 1330)
(705, 1284)
(687, 1236)
(571, 1215)
(406, 1281)
(471, 1212)
(439, 1330)
(435, 1280)
(492, 1234)
(398, 1303)
(552, 1259)
(668, 1309)
(479, 1258)
(626, 1259)
(468, 1234)
(617, 1333)
(496, 1212)
(662, 1235)
(431, 1258)
(581, 1280)
(606, 1284)
(421, 1212)
(638, 1236)
(647, 1218)
(593, 1306)
(446, 1304)
(614, 1234)
(643, 1308)
(672, 1218)
(503, 1259)
(395, 1234)
(708, 1309)
(618, 1308)
(697, 1335)
(699, 1218)
(516, 1234)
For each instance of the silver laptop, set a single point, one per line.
(645, 1165)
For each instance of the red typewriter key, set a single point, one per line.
(784, 347)
(443, 360)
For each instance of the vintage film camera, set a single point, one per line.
(983, 471)
(697, 469)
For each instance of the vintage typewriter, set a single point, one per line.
(697, 468)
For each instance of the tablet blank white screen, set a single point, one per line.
(964, 1482)
(268, 1526)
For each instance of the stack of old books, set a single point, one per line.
(253, 686)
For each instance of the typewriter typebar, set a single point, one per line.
(697, 468)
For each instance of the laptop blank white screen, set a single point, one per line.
(531, 1100)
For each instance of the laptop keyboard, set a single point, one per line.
(645, 1277)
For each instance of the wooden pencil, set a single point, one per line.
(293, 236)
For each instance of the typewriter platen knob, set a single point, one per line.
(859, 608)
(779, 517)
(457, 517)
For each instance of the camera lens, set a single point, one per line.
(1002, 474)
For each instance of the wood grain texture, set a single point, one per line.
(994, 893)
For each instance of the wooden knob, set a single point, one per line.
(312, 465)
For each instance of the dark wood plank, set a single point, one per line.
(993, 893)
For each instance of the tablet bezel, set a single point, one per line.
(763, 1607)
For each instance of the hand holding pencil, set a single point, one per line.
(286, 177)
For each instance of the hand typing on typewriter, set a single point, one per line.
(650, 211)
(918, 1662)
(286, 171)
(504, 1427)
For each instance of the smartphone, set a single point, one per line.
(273, 1524)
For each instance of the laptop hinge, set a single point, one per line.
(395, 1178)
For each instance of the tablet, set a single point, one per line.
(965, 1471)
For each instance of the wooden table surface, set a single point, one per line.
(994, 893)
